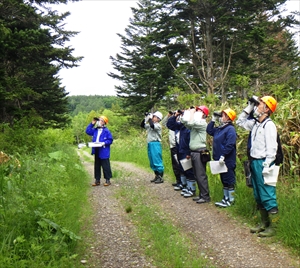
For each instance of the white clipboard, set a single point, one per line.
(186, 164)
(95, 144)
(271, 177)
(217, 168)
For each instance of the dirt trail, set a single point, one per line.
(226, 242)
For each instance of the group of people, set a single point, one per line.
(187, 139)
(189, 154)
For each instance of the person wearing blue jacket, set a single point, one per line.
(182, 138)
(224, 151)
(101, 135)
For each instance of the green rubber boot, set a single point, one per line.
(264, 224)
(270, 230)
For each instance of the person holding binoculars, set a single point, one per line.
(224, 151)
(263, 145)
(101, 135)
(151, 123)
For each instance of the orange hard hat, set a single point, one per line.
(230, 113)
(105, 119)
(270, 102)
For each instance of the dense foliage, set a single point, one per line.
(228, 48)
(86, 104)
(33, 50)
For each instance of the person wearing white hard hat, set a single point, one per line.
(151, 123)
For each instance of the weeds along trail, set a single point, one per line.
(222, 241)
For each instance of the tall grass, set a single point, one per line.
(244, 209)
(42, 196)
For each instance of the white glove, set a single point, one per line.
(215, 116)
(150, 116)
(249, 108)
(102, 144)
(267, 170)
(266, 164)
(146, 118)
(222, 160)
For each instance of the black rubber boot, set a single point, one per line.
(160, 178)
(156, 177)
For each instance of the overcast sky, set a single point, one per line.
(98, 22)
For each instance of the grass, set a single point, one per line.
(244, 209)
(43, 207)
(161, 241)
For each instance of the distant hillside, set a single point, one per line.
(82, 103)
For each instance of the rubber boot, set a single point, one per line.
(159, 178)
(156, 176)
(270, 230)
(191, 189)
(225, 201)
(265, 222)
(231, 195)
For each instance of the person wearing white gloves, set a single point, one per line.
(101, 135)
(224, 151)
(154, 133)
(263, 148)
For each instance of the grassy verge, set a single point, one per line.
(41, 206)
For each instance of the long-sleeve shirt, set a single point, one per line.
(263, 137)
(153, 130)
(197, 134)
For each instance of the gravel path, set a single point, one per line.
(226, 242)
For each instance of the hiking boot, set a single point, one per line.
(107, 183)
(189, 193)
(96, 183)
(259, 228)
(174, 184)
(159, 180)
(202, 201)
(196, 198)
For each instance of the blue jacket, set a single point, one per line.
(106, 137)
(224, 142)
(183, 148)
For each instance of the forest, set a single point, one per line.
(174, 54)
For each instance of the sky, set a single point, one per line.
(98, 22)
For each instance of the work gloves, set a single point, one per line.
(266, 168)
(222, 160)
(253, 101)
(147, 117)
(216, 116)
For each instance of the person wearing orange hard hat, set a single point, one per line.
(102, 139)
(262, 152)
(224, 151)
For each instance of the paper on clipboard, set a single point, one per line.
(95, 144)
(186, 164)
(216, 167)
(271, 177)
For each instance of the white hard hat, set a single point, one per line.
(158, 114)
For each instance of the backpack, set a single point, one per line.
(279, 154)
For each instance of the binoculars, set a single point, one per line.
(96, 118)
(146, 113)
(254, 100)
